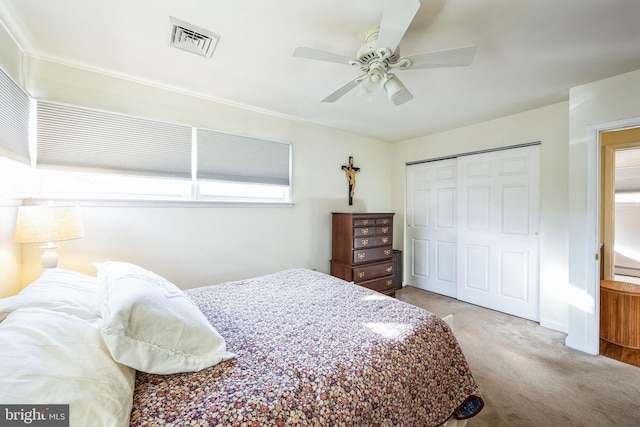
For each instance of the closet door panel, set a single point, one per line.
(431, 226)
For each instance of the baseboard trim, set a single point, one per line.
(555, 326)
(581, 346)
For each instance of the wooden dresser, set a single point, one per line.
(362, 250)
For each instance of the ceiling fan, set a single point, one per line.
(379, 55)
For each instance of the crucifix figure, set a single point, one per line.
(351, 171)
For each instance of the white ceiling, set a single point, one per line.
(530, 52)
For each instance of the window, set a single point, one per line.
(14, 120)
(85, 153)
(627, 197)
(60, 184)
(17, 180)
(235, 167)
(109, 142)
(14, 139)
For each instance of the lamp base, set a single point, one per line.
(49, 256)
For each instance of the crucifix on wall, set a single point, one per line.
(351, 171)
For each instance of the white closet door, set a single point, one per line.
(498, 220)
(431, 226)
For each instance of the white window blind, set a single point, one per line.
(227, 157)
(81, 137)
(14, 120)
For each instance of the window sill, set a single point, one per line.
(149, 203)
(5, 202)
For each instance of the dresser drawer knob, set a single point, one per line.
(385, 240)
(361, 255)
(389, 282)
(387, 252)
(365, 231)
(365, 222)
(385, 230)
(389, 269)
(361, 274)
(364, 242)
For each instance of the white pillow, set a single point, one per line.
(60, 290)
(152, 326)
(51, 357)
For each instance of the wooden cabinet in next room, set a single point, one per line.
(362, 250)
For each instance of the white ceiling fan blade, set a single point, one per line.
(455, 57)
(320, 55)
(396, 18)
(344, 90)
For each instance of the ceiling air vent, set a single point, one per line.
(192, 39)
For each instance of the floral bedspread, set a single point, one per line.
(314, 350)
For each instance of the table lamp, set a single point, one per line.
(39, 224)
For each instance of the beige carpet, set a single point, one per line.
(528, 377)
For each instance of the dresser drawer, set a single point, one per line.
(373, 254)
(383, 240)
(364, 242)
(370, 272)
(384, 221)
(384, 285)
(369, 242)
(359, 222)
(364, 231)
(384, 230)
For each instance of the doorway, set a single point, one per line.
(620, 187)
(619, 235)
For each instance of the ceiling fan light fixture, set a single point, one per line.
(365, 94)
(396, 91)
(367, 87)
(375, 78)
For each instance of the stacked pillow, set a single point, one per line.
(58, 290)
(152, 326)
(53, 351)
(69, 338)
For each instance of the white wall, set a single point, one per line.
(11, 57)
(549, 125)
(606, 104)
(194, 246)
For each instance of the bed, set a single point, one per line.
(294, 348)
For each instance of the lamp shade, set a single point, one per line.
(48, 224)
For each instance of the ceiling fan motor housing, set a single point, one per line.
(369, 51)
